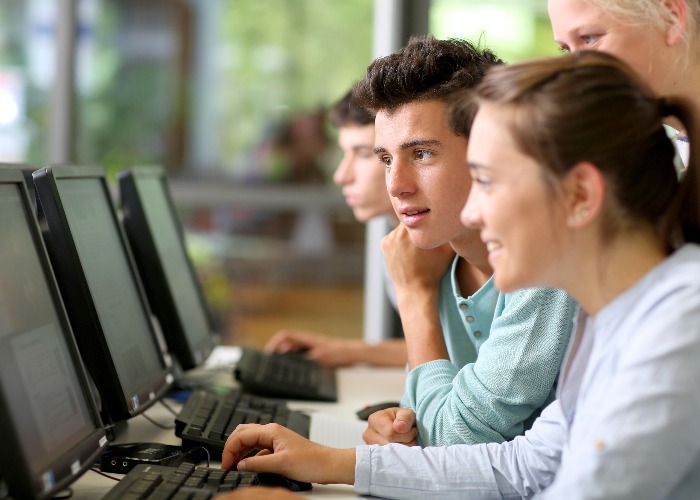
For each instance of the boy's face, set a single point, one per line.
(427, 175)
(360, 174)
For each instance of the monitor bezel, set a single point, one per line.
(81, 308)
(14, 465)
(153, 274)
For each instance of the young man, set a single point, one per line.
(362, 180)
(482, 363)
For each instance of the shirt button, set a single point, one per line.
(464, 307)
(470, 319)
(477, 334)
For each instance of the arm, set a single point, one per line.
(331, 351)
(513, 375)
(415, 274)
(516, 469)
(510, 470)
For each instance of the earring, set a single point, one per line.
(581, 215)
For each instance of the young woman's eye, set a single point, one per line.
(482, 181)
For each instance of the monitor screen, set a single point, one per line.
(174, 292)
(51, 426)
(102, 291)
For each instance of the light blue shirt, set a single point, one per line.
(626, 423)
(505, 353)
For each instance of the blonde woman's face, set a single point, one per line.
(581, 25)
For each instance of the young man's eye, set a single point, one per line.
(385, 160)
(423, 154)
(564, 49)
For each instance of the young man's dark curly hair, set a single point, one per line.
(426, 68)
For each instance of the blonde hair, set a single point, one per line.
(654, 13)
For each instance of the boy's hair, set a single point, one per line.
(426, 68)
(346, 113)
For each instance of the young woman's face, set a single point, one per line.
(581, 25)
(512, 206)
(360, 174)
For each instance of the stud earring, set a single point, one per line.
(581, 215)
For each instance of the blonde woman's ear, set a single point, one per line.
(676, 21)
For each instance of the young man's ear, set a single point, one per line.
(676, 20)
(585, 193)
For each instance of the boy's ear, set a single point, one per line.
(585, 194)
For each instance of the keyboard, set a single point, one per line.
(187, 481)
(207, 419)
(288, 376)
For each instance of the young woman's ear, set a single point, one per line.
(676, 20)
(585, 194)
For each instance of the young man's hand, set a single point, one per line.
(393, 425)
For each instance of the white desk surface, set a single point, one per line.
(357, 387)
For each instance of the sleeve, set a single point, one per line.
(512, 377)
(642, 437)
(516, 469)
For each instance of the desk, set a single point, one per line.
(357, 387)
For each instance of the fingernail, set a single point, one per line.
(241, 466)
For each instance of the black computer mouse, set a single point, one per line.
(272, 479)
(365, 412)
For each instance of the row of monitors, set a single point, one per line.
(79, 350)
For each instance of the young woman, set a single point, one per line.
(574, 186)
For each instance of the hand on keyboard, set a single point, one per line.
(287, 453)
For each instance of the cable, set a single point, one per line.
(158, 424)
(168, 407)
(68, 493)
(98, 471)
(182, 457)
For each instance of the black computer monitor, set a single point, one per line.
(101, 290)
(51, 426)
(174, 292)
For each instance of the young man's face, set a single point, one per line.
(360, 174)
(426, 171)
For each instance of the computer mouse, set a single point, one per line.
(365, 412)
(272, 479)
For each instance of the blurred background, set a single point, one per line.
(230, 96)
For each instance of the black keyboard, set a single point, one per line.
(288, 376)
(207, 419)
(160, 482)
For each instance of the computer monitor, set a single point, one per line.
(174, 292)
(101, 290)
(51, 426)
